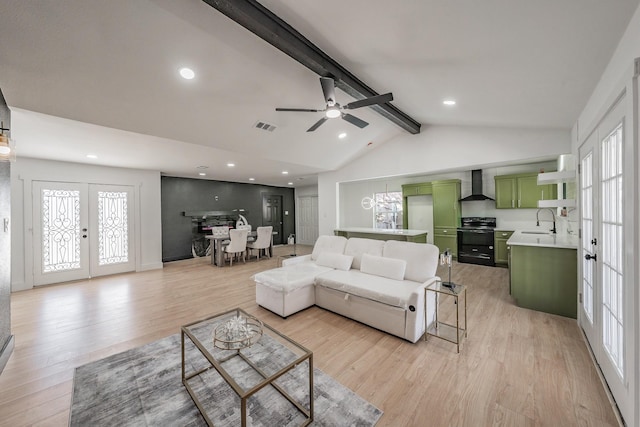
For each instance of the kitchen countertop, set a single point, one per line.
(398, 232)
(546, 240)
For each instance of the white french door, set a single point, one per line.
(81, 230)
(606, 306)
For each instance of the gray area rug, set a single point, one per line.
(143, 387)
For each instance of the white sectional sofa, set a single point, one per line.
(379, 283)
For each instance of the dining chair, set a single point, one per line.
(237, 245)
(248, 228)
(263, 241)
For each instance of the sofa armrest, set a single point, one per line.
(296, 260)
(414, 328)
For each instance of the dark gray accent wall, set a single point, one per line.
(6, 339)
(185, 194)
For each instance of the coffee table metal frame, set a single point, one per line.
(245, 394)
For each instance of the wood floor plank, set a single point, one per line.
(517, 367)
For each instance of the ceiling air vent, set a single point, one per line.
(265, 126)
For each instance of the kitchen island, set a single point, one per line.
(407, 235)
(543, 269)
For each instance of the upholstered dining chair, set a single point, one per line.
(248, 228)
(263, 241)
(238, 244)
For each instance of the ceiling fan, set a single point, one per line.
(334, 110)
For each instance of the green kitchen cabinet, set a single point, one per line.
(500, 238)
(545, 279)
(446, 238)
(446, 203)
(522, 191)
(446, 214)
(505, 192)
(420, 189)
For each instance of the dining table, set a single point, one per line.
(218, 242)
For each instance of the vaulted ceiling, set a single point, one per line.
(101, 77)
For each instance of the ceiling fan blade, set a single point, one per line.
(354, 120)
(329, 90)
(304, 110)
(378, 99)
(317, 124)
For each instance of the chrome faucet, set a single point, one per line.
(553, 230)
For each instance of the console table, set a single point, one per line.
(442, 330)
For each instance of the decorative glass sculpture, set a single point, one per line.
(237, 333)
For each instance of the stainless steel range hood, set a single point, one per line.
(476, 187)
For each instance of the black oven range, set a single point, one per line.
(475, 240)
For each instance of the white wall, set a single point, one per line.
(435, 152)
(147, 207)
(309, 190)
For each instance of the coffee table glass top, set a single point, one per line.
(269, 356)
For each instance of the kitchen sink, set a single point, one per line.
(535, 232)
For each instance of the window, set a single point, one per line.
(388, 210)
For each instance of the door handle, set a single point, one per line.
(593, 257)
(594, 241)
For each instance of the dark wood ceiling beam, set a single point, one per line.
(269, 27)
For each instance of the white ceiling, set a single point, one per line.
(115, 64)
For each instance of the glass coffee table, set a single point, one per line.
(268, 371)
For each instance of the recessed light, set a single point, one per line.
(343, 135)
(202, 174)
(289, 183)
(285, 173)
(449, 102)
(92, 156)
(187, 73)
(252, 179)
(231, 165)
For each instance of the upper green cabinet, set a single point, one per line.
(522, 191)
(416, 189)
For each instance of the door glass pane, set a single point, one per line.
(113, 237)
(612, 260)
(586, 186)
(60, 230)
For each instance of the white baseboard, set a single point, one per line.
(151, 266)
(20, 286)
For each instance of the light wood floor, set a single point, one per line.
(517, 367)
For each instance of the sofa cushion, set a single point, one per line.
(333, 244)
(388, 291)
(288, 279)
(357, 246)
(384, 267)
(421, 258)
(333, 260)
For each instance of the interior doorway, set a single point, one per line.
(272, 215)
(307, 217)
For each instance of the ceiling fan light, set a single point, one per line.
(332, 113)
